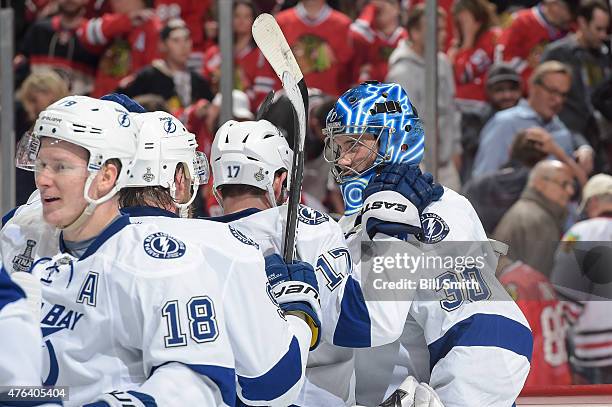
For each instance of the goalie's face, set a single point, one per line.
(351, 154)
(61, 172)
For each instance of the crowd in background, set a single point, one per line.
(524, 109)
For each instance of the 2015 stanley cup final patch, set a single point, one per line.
(311, 216)
(163, 246)
(242, 237)
(434, 228)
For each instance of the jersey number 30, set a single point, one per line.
(202, 322)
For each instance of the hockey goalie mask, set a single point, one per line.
(163, 144)
(103, 128)
(370, 125)
(249, 153)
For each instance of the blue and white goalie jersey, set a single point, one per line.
(270, 349)
(471, 344)
(137, 319)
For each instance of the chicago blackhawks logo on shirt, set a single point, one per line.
(434, 228)
(163, 246)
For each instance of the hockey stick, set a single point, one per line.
(273, 45)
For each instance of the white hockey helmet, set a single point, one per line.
(163, 143)
(249, 153)
(104, 128)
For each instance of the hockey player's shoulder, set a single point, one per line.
(141, 247)
(450, 218)
(311, 216)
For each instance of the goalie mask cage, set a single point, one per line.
(593, 395)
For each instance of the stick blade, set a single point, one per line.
(272, 43)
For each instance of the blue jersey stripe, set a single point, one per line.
(144, 398)
(484, 330)
(276, 381)
(9, 215)
(9, 291)
(224, 378)
(354, 325)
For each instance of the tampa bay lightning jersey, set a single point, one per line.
(25, 237)
(346, 318)
(270, 348)
(137, 319)
(472, 346)
(21, 343)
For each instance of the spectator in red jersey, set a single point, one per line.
(320, 39)
(376, 34)
(535, 296)
(126, 39)
(170, 77)
(193, 13)
(252, 73)
(530, 30)
(473, 48)
(52, 43)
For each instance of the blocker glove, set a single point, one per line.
(395, 198)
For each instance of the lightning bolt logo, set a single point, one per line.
(163, 246)
(435, 228)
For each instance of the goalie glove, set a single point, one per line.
(296, 290)
(395, 198)
(411, 393)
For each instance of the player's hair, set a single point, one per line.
(416, 13)
(483, 12)
(524, 150)
(548, 67)
(586, 8)
(156, 196)
(44, 81)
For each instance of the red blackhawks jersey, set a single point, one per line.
(524, 40)
(471, 66)
(124, 48)
(372, 47)
(323, 47)
(48, 45)
(252, 73)
(192, 12)
(535, 296)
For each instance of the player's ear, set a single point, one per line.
(181, 183)
(280, 186)
(106, 178)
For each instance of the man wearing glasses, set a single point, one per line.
(548, 89)
(533, 226)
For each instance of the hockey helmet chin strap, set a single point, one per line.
(91, 204)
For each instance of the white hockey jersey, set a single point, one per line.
(320, 242)
(472, 346)
(137, 319)
(270, 349)
(25, 237)
(587, 292)
(21, 341)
